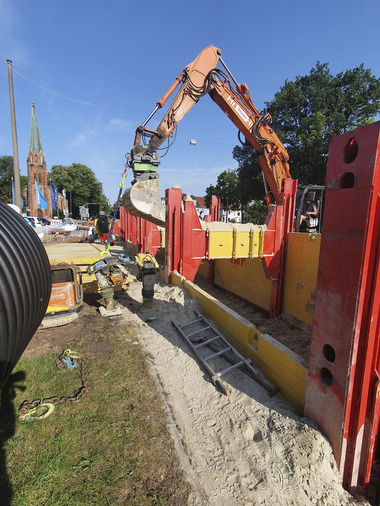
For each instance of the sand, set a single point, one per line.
(245, 449)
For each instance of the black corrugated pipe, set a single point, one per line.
(25, 285)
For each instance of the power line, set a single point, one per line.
(21, 74)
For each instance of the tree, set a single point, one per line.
(6, 174)
(226, 189)
(243, 187)
(250, 186)
(307, 113)
(310, 110)
(80, 184)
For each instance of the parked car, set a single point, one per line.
(35, 221)
(68, 224)
(45, 221)
(28, 221)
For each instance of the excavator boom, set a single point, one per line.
(199, 78)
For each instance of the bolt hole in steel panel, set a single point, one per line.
(351, 150)
(329, 353)
(326, 377)
(347, 181)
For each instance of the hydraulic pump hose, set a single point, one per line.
(25, 286)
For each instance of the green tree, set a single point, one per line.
(243, 187)
(250, 186)
(310, 110)
(80, 184)
(307, 113)
(6, 174)
(226, 189)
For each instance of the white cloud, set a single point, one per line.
(121, 125)
(82, 138)
(96, 135)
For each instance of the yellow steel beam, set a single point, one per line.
(234, 240)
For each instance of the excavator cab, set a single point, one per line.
(315, 194)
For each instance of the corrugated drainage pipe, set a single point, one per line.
(25, 285)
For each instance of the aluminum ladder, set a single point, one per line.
(208, 345)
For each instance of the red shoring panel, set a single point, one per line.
(193, 245)
(116, 228)
(214, 213)
(146, 236)
(280, 221)
(344, 359)
(123, 219)
(185, 241)
(173, 230)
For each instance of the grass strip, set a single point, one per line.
(112, 447)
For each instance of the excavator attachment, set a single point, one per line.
(143, 199)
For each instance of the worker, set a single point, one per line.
(309, 213)
(101, 226)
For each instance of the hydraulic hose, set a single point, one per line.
(25, 286)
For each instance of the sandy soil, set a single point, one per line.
(245, 449)
(289, 331)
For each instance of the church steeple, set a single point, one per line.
(35, 140)
(37, 172)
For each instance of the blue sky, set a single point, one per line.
(95, 70)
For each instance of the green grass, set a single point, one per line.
(112, 447)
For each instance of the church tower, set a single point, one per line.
(37, 173)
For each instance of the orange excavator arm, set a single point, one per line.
(193, 79)
(197, 79)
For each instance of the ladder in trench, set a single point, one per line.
(209, 345)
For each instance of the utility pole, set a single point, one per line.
(16, 168)
(64, 203)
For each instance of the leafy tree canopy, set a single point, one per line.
(226, 189)
(307, 113)
(80, 184)
(310, 110)
(250, 186)
(6, 174)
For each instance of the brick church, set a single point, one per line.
(37, 175)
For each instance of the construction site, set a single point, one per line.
(266, 338)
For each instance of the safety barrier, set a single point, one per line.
(343, 385)
(343, 388)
